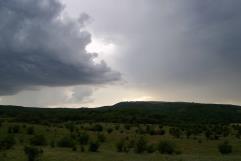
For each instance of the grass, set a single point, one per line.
(197, 148)
(57, 154)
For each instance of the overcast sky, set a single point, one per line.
(73, 53)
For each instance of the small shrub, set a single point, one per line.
(30, 130)
(7, 143)
(73, 135)
(120, 146)
(117, 127)
(101, 138)
(74, 148)
(82, 148)
(151, 148)
(3, 155)
(225, 148)
(38, 140)
(83, 138)
(161, 132)
(21, 140)
(16, 129)
(208, 134)
(131, 144)
(70, 127)
(97, 127)
(33, 153)
(66, 141)
(10, 130)
(188, 134)
(52, 143)
(166, 147)
(127, 126)
(140, 145)
(123, 146)
(94, 146)
(176, 132)
(109, 130)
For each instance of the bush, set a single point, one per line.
(109, 130)
(21, 140)
(208, 134)
(131, 144)
(161, 132)
(70, 127)
(176, 132)
(117, 127)
(82, 148)
(38, 140)
(74, 148)
(166, 147)
(225, 148)
(101, 138)
(16, 129)
(7, 143)
(188, 134)
(52, 143)
(30, 130)
(151, 148)
(123, 146)
(3, 155)
(10, 130)
(120, 146)
(33, 153)
(66, 141)
(127, 126)
(97, 127)
(94, 146)
(140, 145)
(83, 138)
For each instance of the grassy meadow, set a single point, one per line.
(74, 141)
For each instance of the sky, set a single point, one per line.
(90, 53)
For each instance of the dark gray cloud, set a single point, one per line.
(41, 47)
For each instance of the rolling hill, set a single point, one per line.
(130, 112)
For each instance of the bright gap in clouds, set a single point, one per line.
(103, 48)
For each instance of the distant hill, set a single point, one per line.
(131, 112)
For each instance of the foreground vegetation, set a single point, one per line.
(38, 137)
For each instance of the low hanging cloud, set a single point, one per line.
(52, 97)
(41, 47)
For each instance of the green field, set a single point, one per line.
(127, 131)
(197, 147)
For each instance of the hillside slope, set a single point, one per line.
(131, 112)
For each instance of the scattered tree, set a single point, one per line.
(38, 140)
(66, 141)
(166, 147)
(83, 138)
(140, 146)
(33, 153)
(225, 148)
(94, 146)
(7, 142)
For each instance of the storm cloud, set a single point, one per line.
(185, 50)
(40, 46)
(168, 50)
